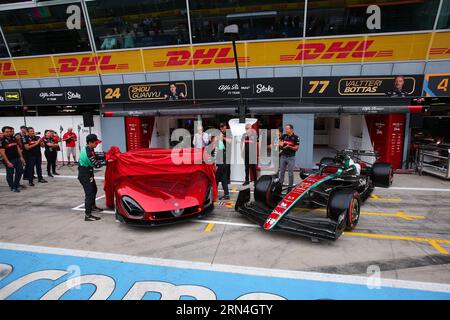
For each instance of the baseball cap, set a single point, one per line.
(92, 138)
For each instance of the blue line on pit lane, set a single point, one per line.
(117, 280)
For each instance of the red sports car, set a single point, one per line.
(148, 187)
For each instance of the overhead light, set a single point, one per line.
(231, 29)
(252, 15)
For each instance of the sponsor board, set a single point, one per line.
(61, 96)
(437, 85)
(10, 98)
(148, 92)
(357, 49)
(378, 86)
(251, 88)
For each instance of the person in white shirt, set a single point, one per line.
(201, 138)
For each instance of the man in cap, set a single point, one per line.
(87, 161)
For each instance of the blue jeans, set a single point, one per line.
(13, 175)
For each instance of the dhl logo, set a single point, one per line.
(337, 50)
(7, 70)
(199, 56)
(86, 64)
(435, 51)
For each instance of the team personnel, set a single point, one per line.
(86, 164)
(32, 154)
(223, 166)
(289, 145)
(50, 153)
(70, 138)
(12, 158)
(19, 139)
(248, 147)
(201, 139)
(20, 135)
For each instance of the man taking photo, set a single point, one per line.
(12, 158)
(289, 145)
(87, 162)
(70, 138)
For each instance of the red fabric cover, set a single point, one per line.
(147, 162)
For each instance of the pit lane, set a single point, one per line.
(402, 234)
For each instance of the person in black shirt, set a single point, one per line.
(289, 145)
(19, 138)
(32, 153)
(174, 94)
(223, 166)
(248, 147)
(51, 152)
(398, 90)
(12, 158)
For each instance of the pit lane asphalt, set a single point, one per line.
(43, 216)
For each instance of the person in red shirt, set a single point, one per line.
(70, 138)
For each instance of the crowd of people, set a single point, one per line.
(22, 156)
(286, 145)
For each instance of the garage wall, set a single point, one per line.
(339, 137)
(304, 128)
(114, 133)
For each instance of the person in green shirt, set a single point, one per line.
(87, 161)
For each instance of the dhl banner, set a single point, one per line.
(360, 49)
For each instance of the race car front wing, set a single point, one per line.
(314, 228)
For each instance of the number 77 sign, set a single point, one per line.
(437, 85)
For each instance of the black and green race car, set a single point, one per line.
(340, 185)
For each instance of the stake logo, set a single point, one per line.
(336, 50)
(199, 57)
(7, 70)
(68, 65)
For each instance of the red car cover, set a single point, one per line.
(147, 162)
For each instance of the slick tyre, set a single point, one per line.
(267, 190)
(382, 175)
(344, 207)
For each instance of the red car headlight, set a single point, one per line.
(132, 207)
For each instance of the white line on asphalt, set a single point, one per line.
(81, 205)
(420, 189)
(275, 273)
(198, 221)
(104, 211)
(226, 223)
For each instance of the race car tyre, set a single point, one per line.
(267, 191)
(325, 161)
(344, 207)
(303, 174)
(206, 211)
(382, 175)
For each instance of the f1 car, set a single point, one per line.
(340, 185)
(147, 188)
